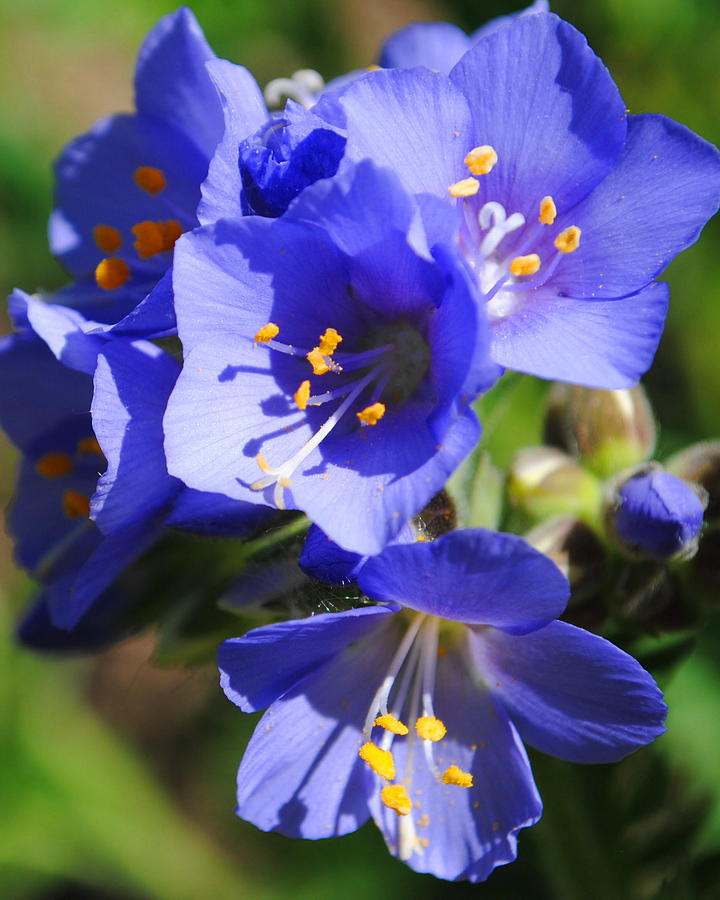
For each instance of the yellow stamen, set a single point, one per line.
(266, 333)
(329, 341)
(455, 775)
(380, 761)
(172, 230)
(394, 796)
(108, 239)
(54, 465)
(112, 273)
(373, 68)
(548, 211)
(302, 395)
(75, 505)
(150, 179)
(466, 187)
(568, 240)
(372, 414)
(390, 723)
(150, 239)
(481, 160)
(317, 360)
(430, 729)
(89, 445)
(525, 265)
(263, 463)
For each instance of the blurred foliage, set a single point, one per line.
(92, 752)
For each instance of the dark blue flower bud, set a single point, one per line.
(657, 514)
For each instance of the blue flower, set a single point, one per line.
(568, 207)
(128, 188)
(412, 712)
(330, 358)
(657, 514)
(93, 492)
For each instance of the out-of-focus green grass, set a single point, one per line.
(144, 809)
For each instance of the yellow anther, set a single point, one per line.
(455, 775)
(108, 239)
(317, 360)
(380, 761)
(329, 341)
(75, 505)
(372, 414)
(390, 723)
(568, 240)
(284, 482)
(466, 187)
(548, 211)
(266, 333)
(302, 395)
(172, 230)
(430, 729)
(373, 68)
(263, 463)
(150, 179)
(394, 796)
(525, 265)
(481, 160)
(150, 239)
(54, 465)
(89, 445)
(112, 273)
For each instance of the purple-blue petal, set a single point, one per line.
(435, 45)
(474, 576)
(171, 82)
(301, 774)
(605, 344)
(261, 666)
(571, 693)
(553, 113)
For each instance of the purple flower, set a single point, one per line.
(128, 188)
(94, 492)
(657, 514)
(330, 357)
(413, 712)
(569, 208)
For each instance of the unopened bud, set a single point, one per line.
(608, 430)
(654, 514)
(700, 463)
(544, 482)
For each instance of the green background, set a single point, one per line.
(116, 777)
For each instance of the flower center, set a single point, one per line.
(505, 278)
(390, 365)
(406, 695)
(152, 238)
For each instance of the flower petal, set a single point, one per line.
(261, 666)
(436, 45)
(474, 576)
(301, 774)
(550, 109)
(649, 208)
(571, 693)
(598, 343)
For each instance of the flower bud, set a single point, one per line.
(608, 430)
(544, 482)
(654, 514)
(700, 463)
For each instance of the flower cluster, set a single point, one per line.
(347, 276)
